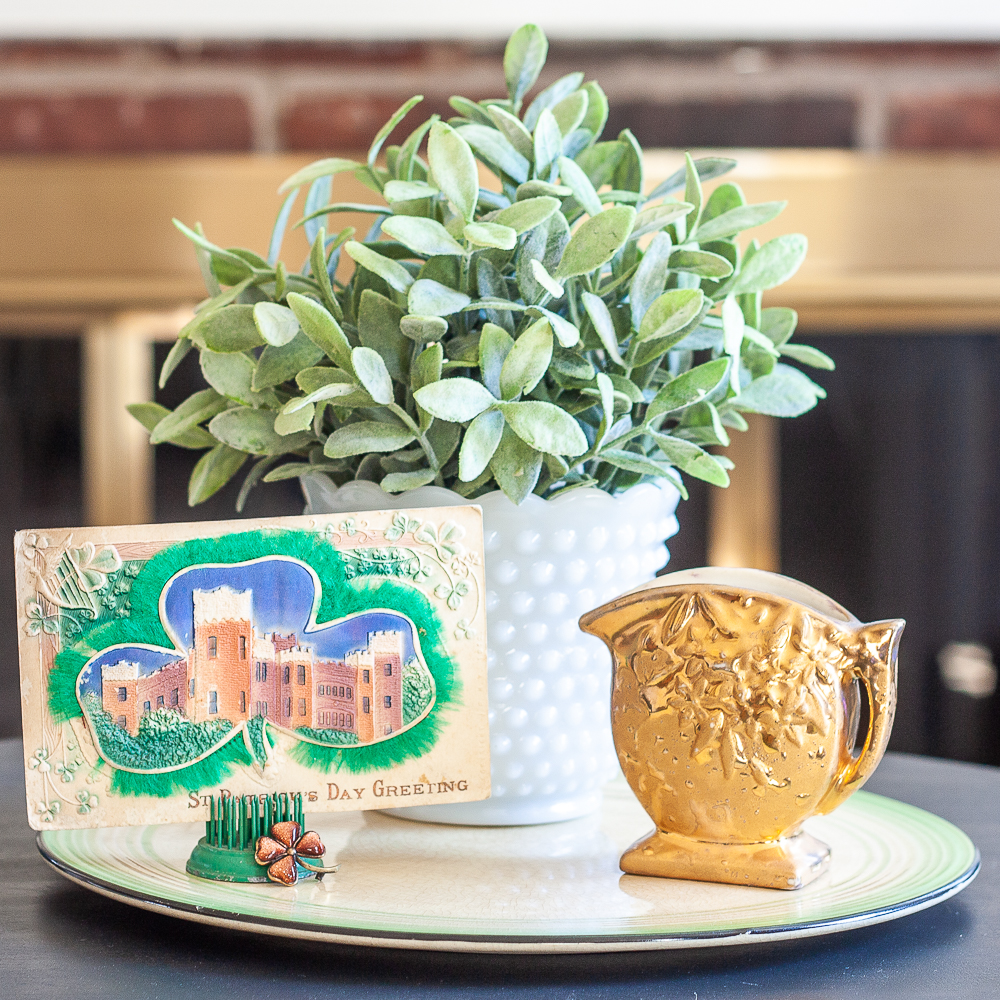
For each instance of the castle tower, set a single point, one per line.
(119, 696)
(219, 682)
(379, 685)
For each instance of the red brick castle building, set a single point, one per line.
(233, 672)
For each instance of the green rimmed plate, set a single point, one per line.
(554, 888)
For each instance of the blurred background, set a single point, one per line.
(879, 121)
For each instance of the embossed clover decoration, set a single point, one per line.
(287, 849)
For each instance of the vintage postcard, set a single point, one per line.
(338, 656)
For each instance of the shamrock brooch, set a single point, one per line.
(287, 849)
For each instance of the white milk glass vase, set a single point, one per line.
(547, 562)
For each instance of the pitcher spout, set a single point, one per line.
(880, 642)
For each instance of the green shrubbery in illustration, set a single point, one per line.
(165, 737)
(567, 326)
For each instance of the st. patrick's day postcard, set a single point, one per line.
(339, 656)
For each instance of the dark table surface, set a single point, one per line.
(59, 940)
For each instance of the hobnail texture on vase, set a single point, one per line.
(547, 562)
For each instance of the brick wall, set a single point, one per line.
(112, 97)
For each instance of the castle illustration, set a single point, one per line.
(233, 672)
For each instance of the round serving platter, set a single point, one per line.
(552, 888)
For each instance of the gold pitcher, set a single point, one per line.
(736, 711)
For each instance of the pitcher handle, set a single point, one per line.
(875, 668)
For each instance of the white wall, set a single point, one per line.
(641, 19)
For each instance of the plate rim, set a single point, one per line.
(514, 943)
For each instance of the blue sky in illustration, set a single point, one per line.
(282, 602)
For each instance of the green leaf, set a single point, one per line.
(408, 191)
(321, 328)
(373, 374)
(628, 175)
(276, 324)
(366, 437)
(596, 241)
(523, 60)
(214, 469)
(689, 388)
(482, 438)
(379, 328)
(177, 354)
(691, 459)
(603, 325)
(230, 330)
(386, 129)
(491, 234)
(150, 414)
(550, 97)
(579, 183)
(234, 260)
(566, 333)
(692, 192)
(649, 220)
(443, 438)
(471, 110)
(297, 420)
(278, 232)
(454, 169)
(425, 236)
(670, 313)
(786, 392)
(393, 273)
(775, 262)
(606, 392)
(515, 466)
(495, 151)
(546, 280)
(527, 361)
(248, 430)
(312, 379)
(430, 298)
(407, 157)
(494, 346)
(426, 367)
(548, 144)
(194, 410)
(397, 482)
(600, 162)
(545, 427)
(525, 215)
(455, 399)
(597, 109)
(724, 198)
(778, 324)
(514, 132)
(701, 262)
(538, 189)
(342, 206)
(279, 364)
(321, 168)
(423, 329)
(633, 462)
(232, 375)
(292, 470)
(737, 219)
(570, 111)
(650, 277)
(708, 167)
(808, 356)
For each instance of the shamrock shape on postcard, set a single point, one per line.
(341, 657)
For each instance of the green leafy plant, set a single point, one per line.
(562, 327)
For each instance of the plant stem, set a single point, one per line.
(422, 439)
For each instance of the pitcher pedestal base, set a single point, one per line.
(789, 863)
